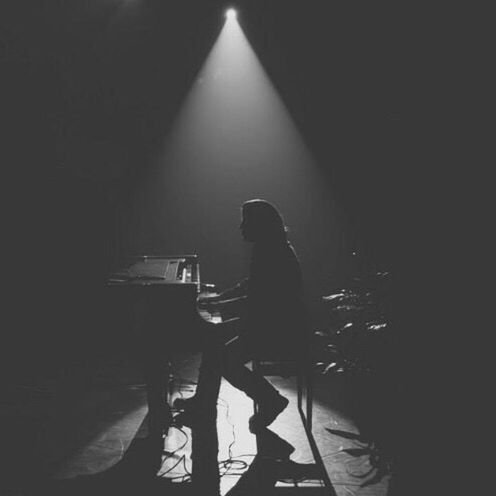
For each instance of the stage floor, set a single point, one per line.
(85, 433)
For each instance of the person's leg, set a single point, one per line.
(203, 422)
(210, 373)
(270, 403)
(156, 376)
(233, 358)
(228, 360)
(209, 379)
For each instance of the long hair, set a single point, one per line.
(267, 219)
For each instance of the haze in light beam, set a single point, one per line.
(232, 141)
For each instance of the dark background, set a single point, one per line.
(89, 89)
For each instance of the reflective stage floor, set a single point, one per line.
(86, 433)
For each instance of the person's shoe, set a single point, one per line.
(270, 445)
(159, 421)
(267, 413)
(192, 413)
(188, 418)
(183, 404)
(187, 408)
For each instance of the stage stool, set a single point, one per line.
(302, 369)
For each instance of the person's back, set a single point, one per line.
(276, 312)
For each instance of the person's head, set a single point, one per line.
(261, 222)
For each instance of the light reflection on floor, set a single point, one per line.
(108, 446)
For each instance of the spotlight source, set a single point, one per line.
(230, 14)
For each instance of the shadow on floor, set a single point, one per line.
(136, 473)
(271, 465)
(26, 470)
(380, 461)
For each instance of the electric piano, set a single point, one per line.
(148, 270)
(160, 295)
(163, 292)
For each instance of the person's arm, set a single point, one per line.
(232, 301)
(238, 291)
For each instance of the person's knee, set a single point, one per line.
(211, 344)
(234, 354)
(226, 360)
(230, 359)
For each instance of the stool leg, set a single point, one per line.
(309, 379)
(299, 385)
(255, 367)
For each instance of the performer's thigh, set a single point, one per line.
(212, 336)
(238, 350)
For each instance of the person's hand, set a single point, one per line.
(209, 300)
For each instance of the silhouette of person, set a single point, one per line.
(273, 319)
